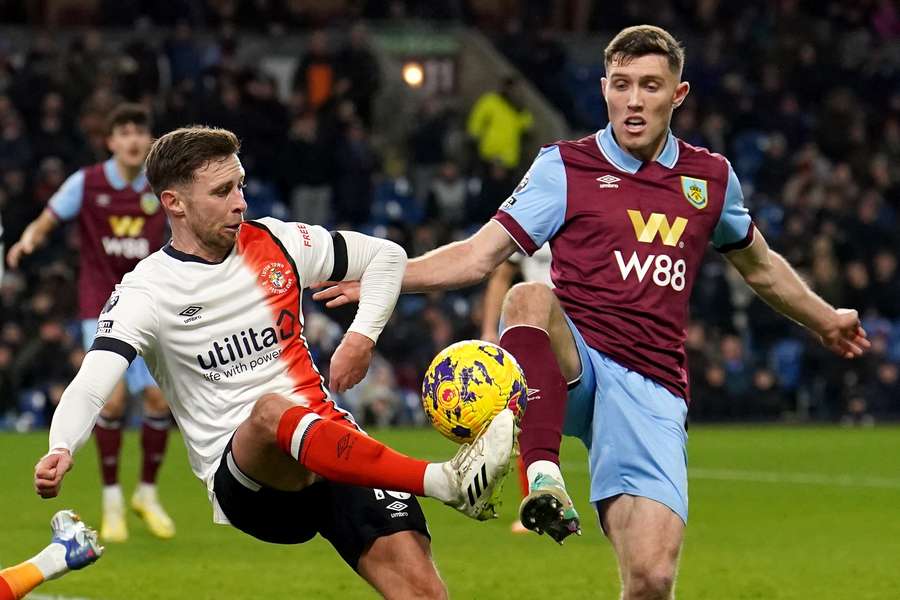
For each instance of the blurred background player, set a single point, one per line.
(119, 222)
(73, 546)
(523, 268)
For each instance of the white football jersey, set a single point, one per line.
(217, 336)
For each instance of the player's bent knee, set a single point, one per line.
(528, 303)
(266, 414)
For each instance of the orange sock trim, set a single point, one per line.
(340, 453)
(17, 581)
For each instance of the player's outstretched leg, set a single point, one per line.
(538, 336)
(73, 546)
(331, 446)
(154, 437)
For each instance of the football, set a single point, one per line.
(467, 384)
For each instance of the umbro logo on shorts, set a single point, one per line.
(396, 506)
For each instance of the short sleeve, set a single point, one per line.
(537, 207)
(66, 202)
(735, 227)
(128, 323)
(312, 248)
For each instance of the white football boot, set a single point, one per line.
(478, 469)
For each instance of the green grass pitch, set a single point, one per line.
(776, 513)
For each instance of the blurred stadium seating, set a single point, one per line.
(803, 97)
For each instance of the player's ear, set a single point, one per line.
(681, 92)
(173, 202)
(603, 83)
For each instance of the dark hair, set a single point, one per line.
(641, 40)
(127, 113)
(174, 157)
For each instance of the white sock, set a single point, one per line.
(544, 467)
(112, 496)
(437, 484)
(146, 490)
(51, 561)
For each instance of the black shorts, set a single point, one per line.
(348, 516)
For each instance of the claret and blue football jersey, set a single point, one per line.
(627, 239)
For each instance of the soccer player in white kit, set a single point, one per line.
(216, 314)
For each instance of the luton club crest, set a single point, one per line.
(694, 191)
(276, 278)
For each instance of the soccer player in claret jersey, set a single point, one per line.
(628, 212)
(120, 222)
(217, 316)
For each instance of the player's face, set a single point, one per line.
(640, 95)
(215, 206)
(129, 144)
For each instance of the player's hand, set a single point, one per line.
(49, 473)
(350, 361)
(24, 246)
(337, 293)
(844, 335)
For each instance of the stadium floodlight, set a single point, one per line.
(413, 74)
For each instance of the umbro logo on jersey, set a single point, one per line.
(608, 181)
(190, 311)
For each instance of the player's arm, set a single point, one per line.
(33, 237)
(460, 264)
(779, 285)
(62, 206)
(75, 416)
(455, 265)
(376, 264)
(498, 284)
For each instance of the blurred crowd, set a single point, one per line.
(804, 98)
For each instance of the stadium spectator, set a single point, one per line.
(307, 171)
(357, 65)
(316, 72)
(497, 123)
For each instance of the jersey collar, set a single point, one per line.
(624, 161)
(115, 180)
(185, 257)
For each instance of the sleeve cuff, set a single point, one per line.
(515, 231)
(119, 347)
(740, 244)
